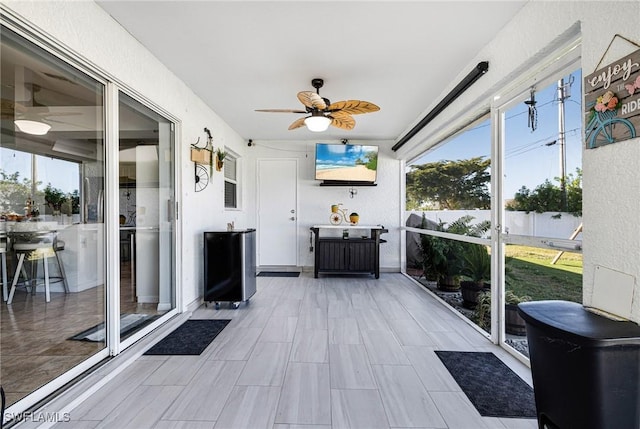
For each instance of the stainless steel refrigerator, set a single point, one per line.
(229, 266)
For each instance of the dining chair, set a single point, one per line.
(36, 247)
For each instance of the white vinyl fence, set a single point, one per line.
(549, 224)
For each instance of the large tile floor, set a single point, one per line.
(334, 352)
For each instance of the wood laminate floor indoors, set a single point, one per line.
(34, 335)
(333, 352)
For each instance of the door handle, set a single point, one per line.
(292, 218)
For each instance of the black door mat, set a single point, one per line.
(493, 388)
(190, 338)
(279, 274)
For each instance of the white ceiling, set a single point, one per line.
(239, 55)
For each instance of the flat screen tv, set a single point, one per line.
(346, 163)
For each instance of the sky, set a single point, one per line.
(529, 160)
(61, 174)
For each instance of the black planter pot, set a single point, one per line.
(470, 292)
(449, 284)
(513, 323)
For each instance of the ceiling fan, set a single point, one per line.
(323, 113)
(30, 117)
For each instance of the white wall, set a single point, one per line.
(375, 204)
(88, 31)
(611, 178)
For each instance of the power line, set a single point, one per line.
(528, 147)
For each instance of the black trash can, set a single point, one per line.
(585, 367)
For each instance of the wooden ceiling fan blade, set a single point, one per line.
(312, 100)
(343, 120)
(281, 110)
(11, 106)
(297, 123)
(354, 107)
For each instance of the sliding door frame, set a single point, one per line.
(569, 62)
(112, 85)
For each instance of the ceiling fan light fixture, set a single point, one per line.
(317, 123)
(36, 128)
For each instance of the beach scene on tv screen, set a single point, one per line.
(346, 162)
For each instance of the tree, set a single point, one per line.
(547, 197)
(453, 185)
(13, 192)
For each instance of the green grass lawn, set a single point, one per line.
(529, 272)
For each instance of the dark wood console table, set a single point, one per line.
(358, 254)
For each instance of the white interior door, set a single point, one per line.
(277, 212)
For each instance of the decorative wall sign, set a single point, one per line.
(201, 177)
(612, 102)
(202, 156)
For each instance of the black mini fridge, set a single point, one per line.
(229, 266)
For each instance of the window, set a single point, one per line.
(231, 182)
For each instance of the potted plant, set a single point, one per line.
(443, 258)
(514, 324)
(476, 270)
(415, 268)
(482, 313)
(54, 198)
(433, 257)
(354, 218)
(220, 156)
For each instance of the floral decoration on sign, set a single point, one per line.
(607, 101)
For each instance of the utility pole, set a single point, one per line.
(562, 95)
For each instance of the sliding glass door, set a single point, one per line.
(146, 201)
(63, 206)
(52, 231)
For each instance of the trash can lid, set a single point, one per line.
(570, 319)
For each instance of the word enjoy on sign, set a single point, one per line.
(613, 70)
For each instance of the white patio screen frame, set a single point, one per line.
(568, 63)
(562, 61)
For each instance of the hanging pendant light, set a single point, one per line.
(317, 122)
(33, 127)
